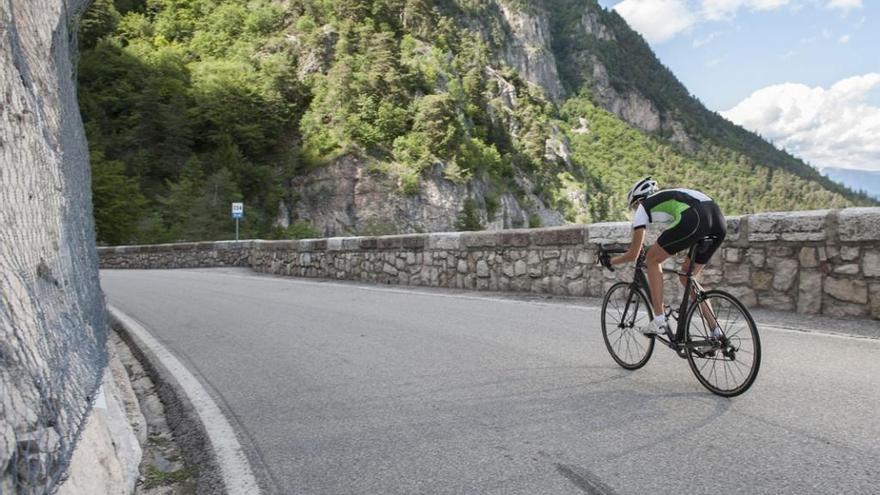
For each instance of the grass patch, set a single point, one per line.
(154, 478)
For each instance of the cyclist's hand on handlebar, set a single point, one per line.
(605, 260)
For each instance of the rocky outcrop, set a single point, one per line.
(630, 106)
(528, 47)
(52, 323)
(346, 197)
(591, 24)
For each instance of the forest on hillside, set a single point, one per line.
(189, 105)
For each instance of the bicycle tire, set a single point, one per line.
(632, 338)
(736, 379)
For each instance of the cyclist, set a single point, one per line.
(693, 216)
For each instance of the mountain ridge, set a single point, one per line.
(867, 181)
(387, 116)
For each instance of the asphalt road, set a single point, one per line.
(340, 388)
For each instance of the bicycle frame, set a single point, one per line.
(699, 342)
(693, 290)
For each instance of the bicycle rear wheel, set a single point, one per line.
(620, 326)
(728, 366)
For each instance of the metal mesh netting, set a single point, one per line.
(52, 321)
(47, 394)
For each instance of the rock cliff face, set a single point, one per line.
(51, 311)
(527, 47)
(345, 197)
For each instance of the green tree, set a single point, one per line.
(99, 21)
(469, 217)
(117, 201)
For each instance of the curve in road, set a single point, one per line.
(344, 388)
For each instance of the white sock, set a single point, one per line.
(716, 332)
(660, 320)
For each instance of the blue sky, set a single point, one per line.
(804, 73)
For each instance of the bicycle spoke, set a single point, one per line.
(629, 309)
(628, 351)
(638, 344)
(731, 323)
(738, 367)
(620, 312)
(726, 375)
(713, 373)
(617, 341)
(722, 373)
(705, 363)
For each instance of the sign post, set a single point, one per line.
(237, 214)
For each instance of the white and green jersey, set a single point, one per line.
(666, 206)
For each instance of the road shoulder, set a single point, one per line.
(205, 436)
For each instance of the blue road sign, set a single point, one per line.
(237, 210)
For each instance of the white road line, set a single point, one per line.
(231, 459)
(822, 333)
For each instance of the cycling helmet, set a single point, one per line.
(641, 190)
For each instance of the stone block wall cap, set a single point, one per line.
(279, 245)
(334, 244)
(480, 238)
(193, 246)
(566, 234)
(859, 224)
(311, 244)
(444, 241)
(609, 233)
(734, 227)
(515, 238)
(415, 241)
(230, 245)
(351, 243)
(809, 225)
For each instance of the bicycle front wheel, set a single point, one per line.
(624, 311)
(726, 366)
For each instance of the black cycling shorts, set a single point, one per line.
(697, 222)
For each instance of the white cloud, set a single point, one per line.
(705, 40)
(833, 127)
(845, 4)
(843, 39)
(662, 20)
(657, 20)
(718, 10)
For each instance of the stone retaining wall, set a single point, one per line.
(181, 255)
(825, 261)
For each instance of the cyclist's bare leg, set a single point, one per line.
(705, 309)
(655, 257)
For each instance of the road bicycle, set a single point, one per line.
(727, 366)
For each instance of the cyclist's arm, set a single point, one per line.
(635, 246)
